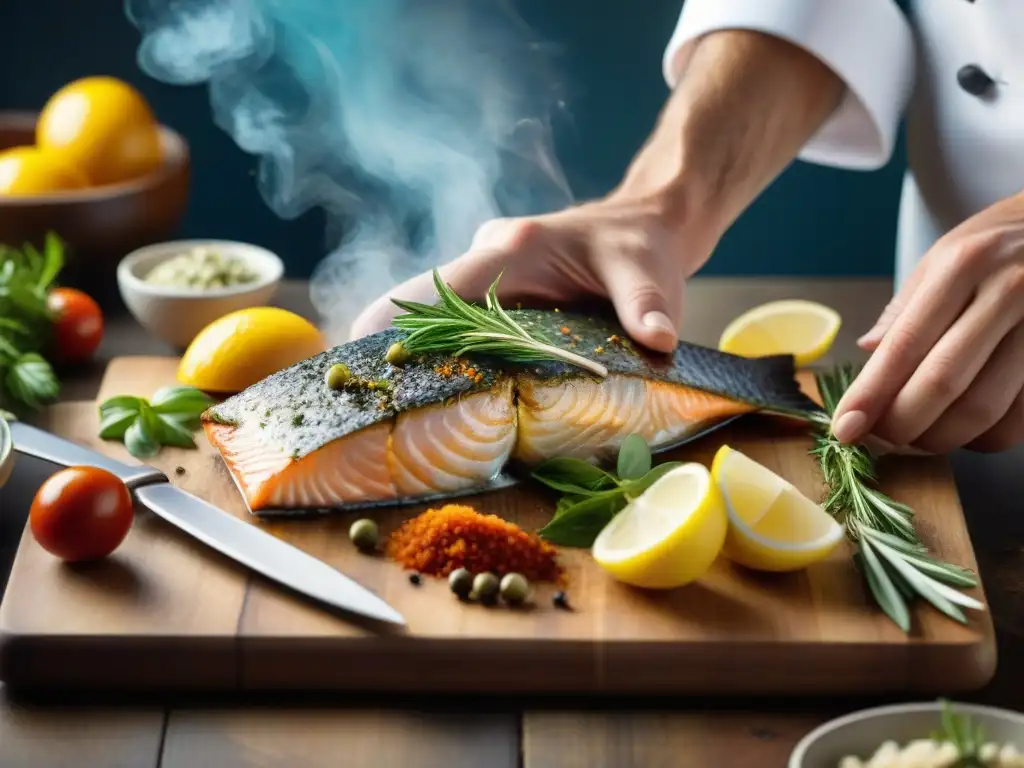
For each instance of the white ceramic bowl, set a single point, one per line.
(862, 733)
(6, 453)
(176, 315)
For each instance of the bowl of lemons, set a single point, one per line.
(95, 167)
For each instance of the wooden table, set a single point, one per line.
(490, 733)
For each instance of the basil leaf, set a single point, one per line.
(53, 261)
(579, 524)
(139, 441)
(634, 488)
(634, 458)
(181, 401)
(115, 422)
(32, 381)
(121, 403)
(174, 433)
(573, 476)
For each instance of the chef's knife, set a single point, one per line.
(240, 541)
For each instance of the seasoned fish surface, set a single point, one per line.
(442, 426)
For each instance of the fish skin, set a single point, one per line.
(298, 414)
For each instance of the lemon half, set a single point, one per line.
(804, 329)
(241, 348)
(667, 537)
(772, 526)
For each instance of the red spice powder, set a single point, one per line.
(454, 536)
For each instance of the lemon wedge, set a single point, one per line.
(668, 536)
(795, 327)
(240, 348)
(772, 526)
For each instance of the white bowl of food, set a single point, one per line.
(176, 289)
(6, 452)
(927, 734)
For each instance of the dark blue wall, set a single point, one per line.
(812, 221)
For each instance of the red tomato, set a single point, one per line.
(81, 513)
(77, 324)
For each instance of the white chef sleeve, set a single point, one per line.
(867, 43)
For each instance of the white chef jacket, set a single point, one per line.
(951, 68)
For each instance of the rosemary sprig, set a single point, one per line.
(895, 563)
(456, 327)
(963, 733)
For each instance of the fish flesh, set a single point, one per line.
(440, 426)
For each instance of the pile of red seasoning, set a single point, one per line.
(454, 536)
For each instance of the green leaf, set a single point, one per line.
(121, 403)
(174, 433)
(579, 524)
(573, 476)
(184, 401)
(53, 261)
(634, 458)
(115, 422)
(139, 441)
(885, 592)
(32, 381)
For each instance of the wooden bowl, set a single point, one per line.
(102, 224)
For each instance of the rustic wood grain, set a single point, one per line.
(56, 737)
(316, 738)
(733, 632)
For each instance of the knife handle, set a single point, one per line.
(32, 441)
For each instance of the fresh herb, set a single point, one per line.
(593, 496)
(454, 326)
(27, 381)
(963, 734)
(896, 565)
(144, 426)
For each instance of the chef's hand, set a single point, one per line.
(947, 363)
(624, 248)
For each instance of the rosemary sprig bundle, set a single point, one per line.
(456, 327)
(895, 563)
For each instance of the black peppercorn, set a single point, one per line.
(560, 600)
(415, 579)
(179, 470)
(974, 80)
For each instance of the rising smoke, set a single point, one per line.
(410, 122)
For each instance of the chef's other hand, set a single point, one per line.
(630, 250)
(947, 363)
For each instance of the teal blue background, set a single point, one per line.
(811, 221)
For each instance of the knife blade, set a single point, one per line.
(240, 541)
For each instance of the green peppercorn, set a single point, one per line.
(397, 354)
(514, 589)
(364, 534)
(485, 587)
(337, 375)
(460, 581)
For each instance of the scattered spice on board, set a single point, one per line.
(455, 536)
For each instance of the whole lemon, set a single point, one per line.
(243, 347)
(31, 171)
(104, 127)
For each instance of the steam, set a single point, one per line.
(410, 122)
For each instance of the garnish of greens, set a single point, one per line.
(27, 381)
(890, 554)
(169, 418)
(962, 733)
(593, 496)
(455, 327)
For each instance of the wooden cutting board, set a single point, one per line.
(165, 612)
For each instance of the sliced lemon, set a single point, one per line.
(241, 348)
(772, 526)
(795, 327)
(667, 537)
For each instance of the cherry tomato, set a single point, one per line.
(77, 324)
(81, 513)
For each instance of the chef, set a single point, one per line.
(757, 83)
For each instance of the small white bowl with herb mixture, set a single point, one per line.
(176, 289)
(935, 734)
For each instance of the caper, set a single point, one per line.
(514, 589)
(485, 587)
(364, 534)
(397, 354)
(337, 375)
(460, 581)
